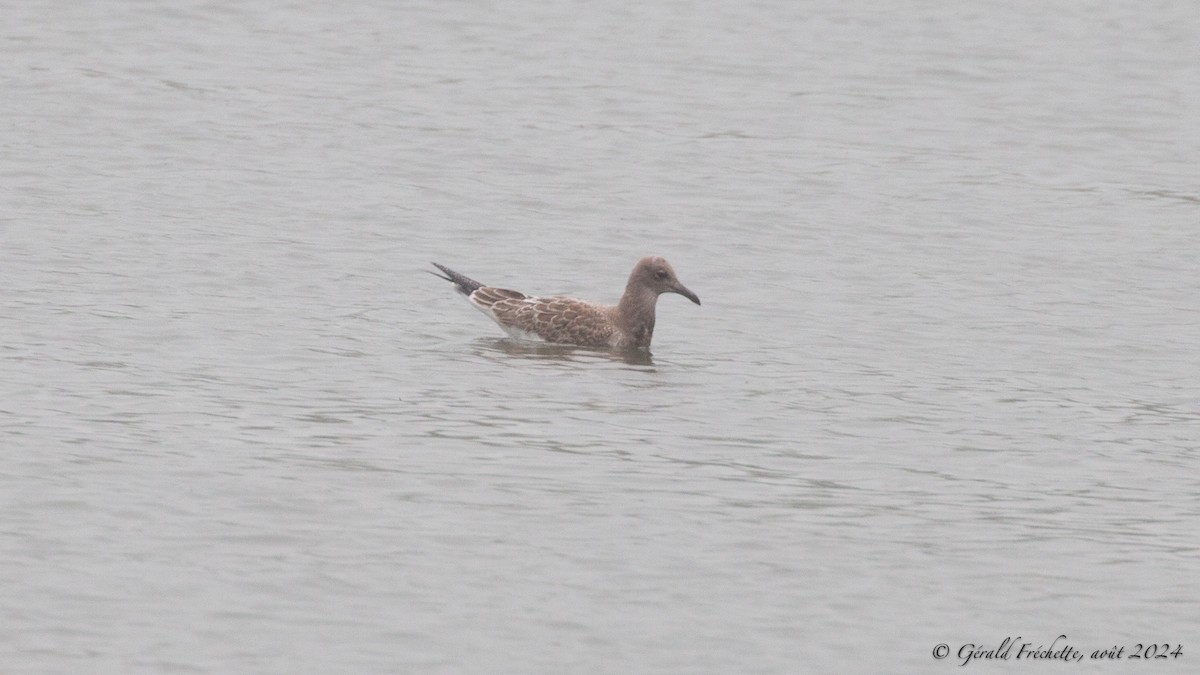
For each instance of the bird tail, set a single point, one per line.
(465, 285)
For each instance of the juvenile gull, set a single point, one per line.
(559, 320)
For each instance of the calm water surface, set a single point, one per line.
(943, 387)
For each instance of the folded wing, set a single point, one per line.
(553, 319)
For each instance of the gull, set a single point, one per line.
(569, 321)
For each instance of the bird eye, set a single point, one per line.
(661, 274)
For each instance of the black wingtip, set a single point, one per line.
(465, 285)
(444, 275)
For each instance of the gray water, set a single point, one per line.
(943, 388)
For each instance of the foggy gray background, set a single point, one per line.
(943, 386)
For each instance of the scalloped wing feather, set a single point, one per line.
(552, 319)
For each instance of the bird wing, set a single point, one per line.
(553, 319)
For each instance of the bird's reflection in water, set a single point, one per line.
(490, 347)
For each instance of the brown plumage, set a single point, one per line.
(559, 320)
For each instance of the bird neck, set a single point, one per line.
(635, 313)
